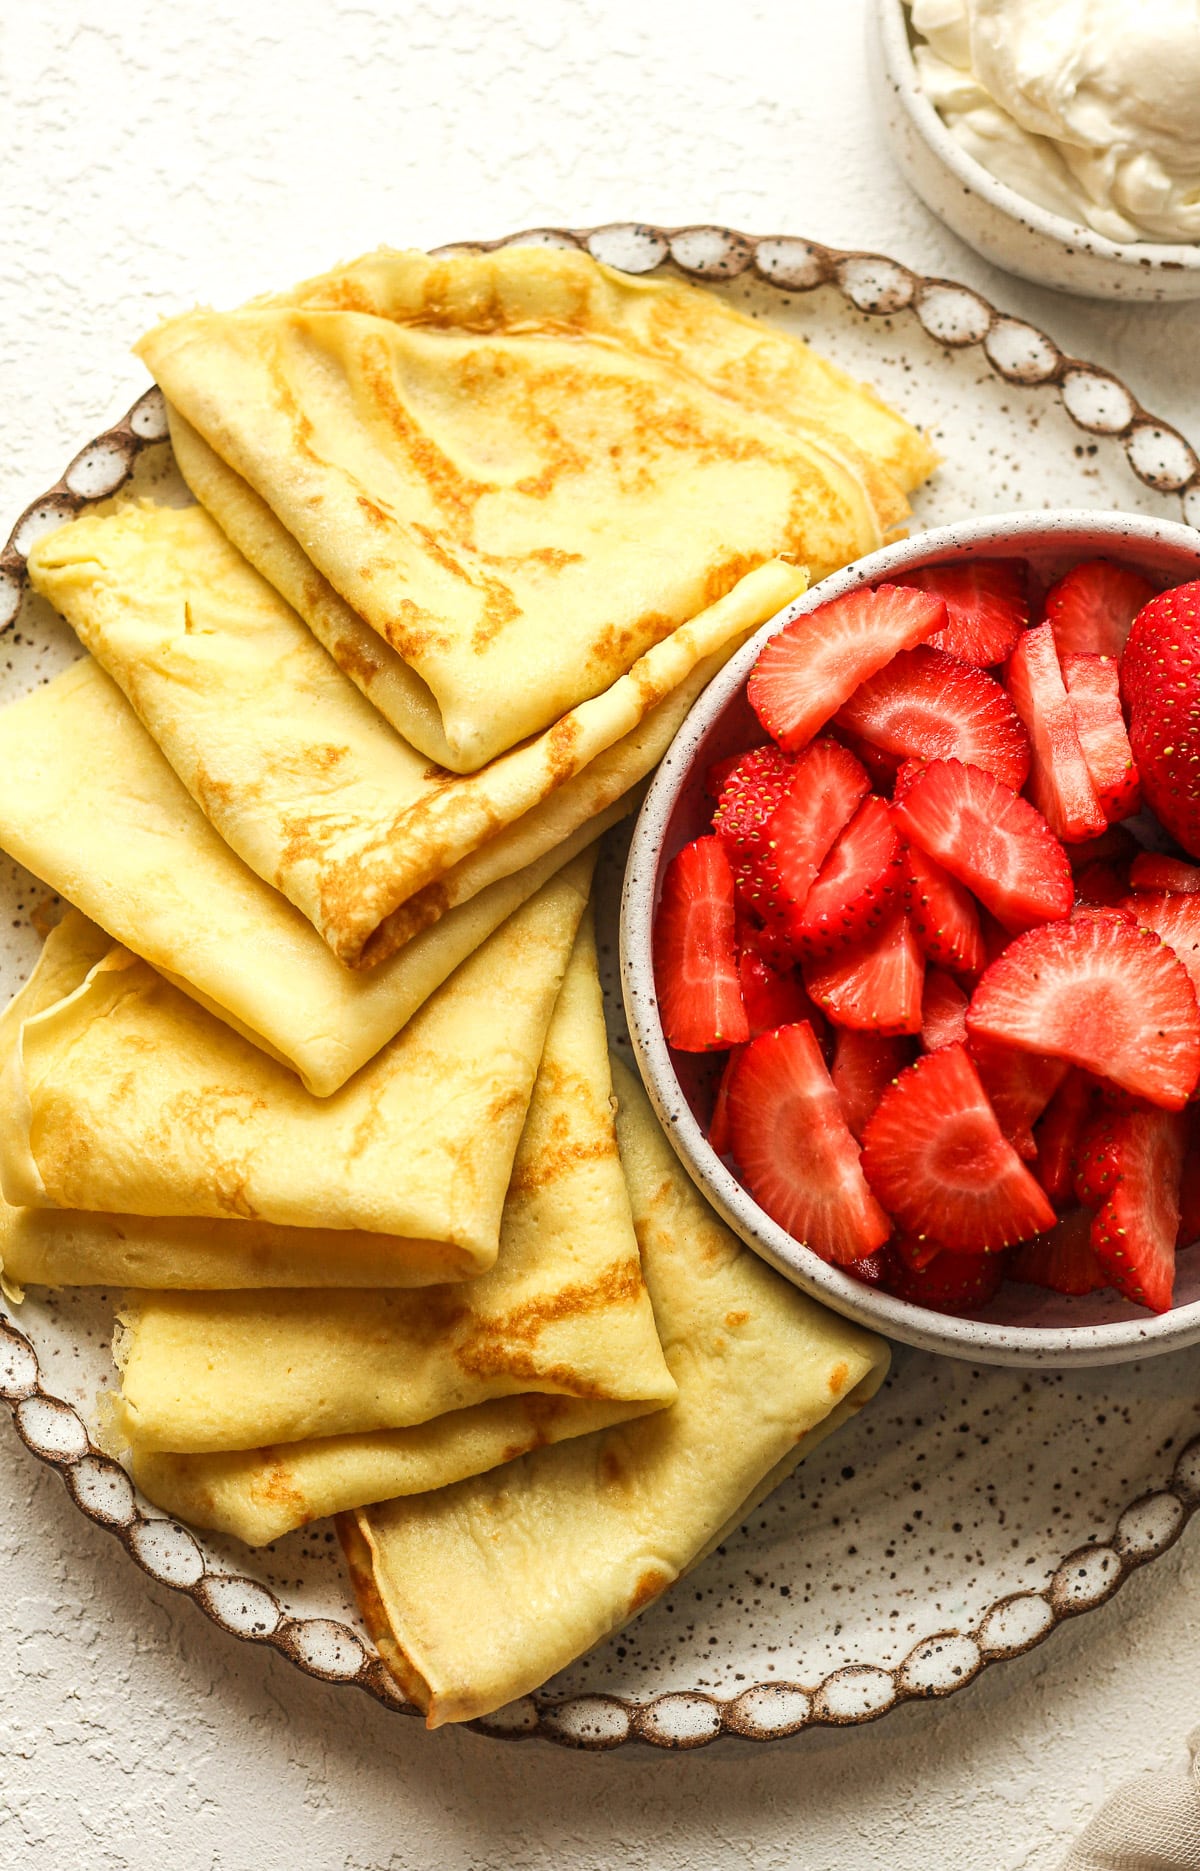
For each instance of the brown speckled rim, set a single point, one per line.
(940, 1663)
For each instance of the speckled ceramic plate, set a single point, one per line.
(969, 1510)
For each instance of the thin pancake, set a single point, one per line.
(290, 762)
(481, 1591)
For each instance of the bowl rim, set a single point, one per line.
(1142, 255)
(945, 1333)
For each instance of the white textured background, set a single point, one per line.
(151, 155)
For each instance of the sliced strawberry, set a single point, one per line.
(943, 1011)
(859, 883)
(944, 917)
(1151, 871)
(990, 839)
(1102, 994)
(926, 705)
(1091, 609)
(986, 606)
(881, 767)
(874, 985)
(949, 1282)
(1059, 782)
(1100, 886)
(1115, 846)
(1019, 1086)
(776, 874)
(718, 775)
(695, 965)
(872, 1269)
(864, 1065)
(753, 786)
(1160, 686)
(718, 1128)
(915, 1250)
(938, 1161)
(1058, 1136)
(772, 997)
(1093, 685)
(906, 773)
(1062, 1260)
(816, 662)
(1132, 1163)
(1189, 1187)
(793, 1148)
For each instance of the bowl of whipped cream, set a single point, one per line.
(1059, 138)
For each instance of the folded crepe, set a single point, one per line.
(563, 1319)
(479, 1592)
(293, 766)
(495, 468)
(88, 804)
(125, 1097)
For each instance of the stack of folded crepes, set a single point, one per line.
(316, 1066)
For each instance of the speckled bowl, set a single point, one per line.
(1023, 1326)
(1002, 225)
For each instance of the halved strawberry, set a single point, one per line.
(718, 1127)
(695, 964)
(1019, 1086)
(1102, 994)
(1115, 846)
(949, 1282)
(816, 662)
(1091, 609)
(771, 996)
(1151, 871)
(875, 984)
(943, 1011)
(754, 784)
(1160, 686)
(777, 871)
(1131, 1163)
(1062, 1259)
(986, 606)
(1059, 782)
(943, 914)
(859, 883)
(1093, 685)
(906, 773)
(793, 1148)
(938, 1161)
(926, 705)
(1058, 1136)
(864, 1065)
(993, 841)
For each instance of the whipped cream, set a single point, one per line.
(1090, 108)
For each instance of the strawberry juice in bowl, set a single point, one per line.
(953, 1049)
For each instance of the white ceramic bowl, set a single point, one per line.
(1002, 225)
(1023, 1326)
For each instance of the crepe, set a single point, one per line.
(479, 1592)
(144, 862)
(126, 1097)
(563, 1319)
(488, 464)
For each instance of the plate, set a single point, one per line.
(969, 1510)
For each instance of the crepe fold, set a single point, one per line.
(88, 803)
(478, 1593)
(294, 767)
(492, 463)
(557, 1340)
(125, 1097)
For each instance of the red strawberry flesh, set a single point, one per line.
(1160, 685)
(695, 965)
(718, 1129)
(986, 606)
(1092, 608)
(1059, 782)
(1093, 687)
(1019, 1086)
(1058, 1136)
(1150, 871)
(943, 1011)
(1062, 1259)
(948, 1282)
(823, 790)
(1176, 919)
(875, 984)
(859, 883)
(771, 996)
(926, 705)
(864, 1065)
(1135, 1163)
(992, 840)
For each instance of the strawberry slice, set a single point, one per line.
(943, 1011)
(935, 1156)
(1177, 920)
(772, 996)
(1102, 994)
(926, 705)
(1100, 886)
(1059, 782)
(1189, 1187)
(1115, 846)
(1160, 685)
(753, 786)
(944, 917)
(873, 985)
(1019, 1086)
(986, 607)
(1131, 1163)
(1091, 609)
(816, 662)
(718, 1128)
(864, 1065)
(778, 866)
(1093, 685)
(988, 837)
(859, 883)
(881, 767)
(916, 1250)
(793, 1148)
(1059, 1133)
(1062, 1260)
(949, 1282)
(1151, 871)
(695, 965)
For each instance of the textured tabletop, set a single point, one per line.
(153, 155)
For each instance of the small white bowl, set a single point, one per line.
(1002, 225)
(1023, 1326)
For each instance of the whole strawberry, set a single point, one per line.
(1160, 687)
